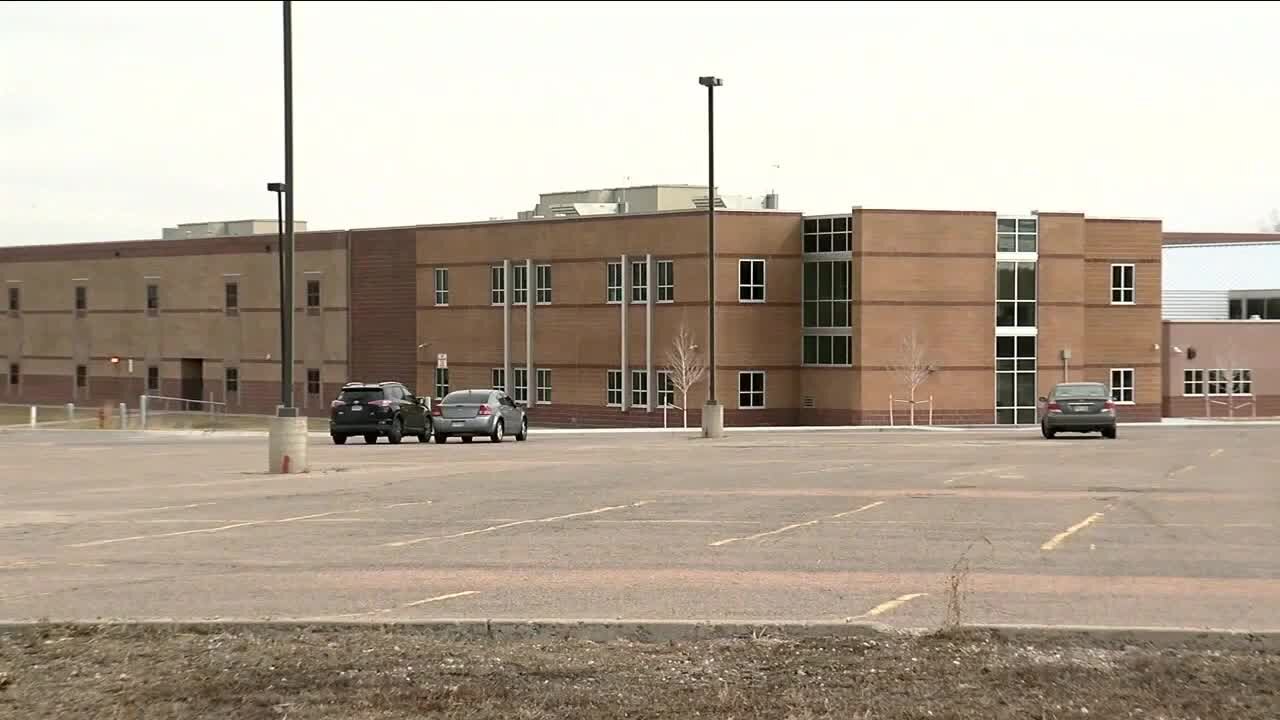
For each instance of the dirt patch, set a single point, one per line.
(383, 672)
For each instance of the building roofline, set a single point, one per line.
(1234, 323)
(624, 187)
(1213, 238)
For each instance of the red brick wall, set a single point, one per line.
(382, 306)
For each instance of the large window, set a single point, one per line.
(313, 294)
(1016, 294)
(751, 389)
(639, 388)
(520, 284)
(442, 286)
(1016, 235)
(232, 382)
(613, 391)
(1247, 307)
(666, 391)
(1016, 380)
(1221, 381)
(613, 282)
(828, 350)
(544, 284)
(640, 281)
(1193, 382)
(1122, 385)
(826, 294)
(544, 385)
(666, 281)
(1122, 284)
(497, 285)
(442, 382)
(828, 234)
(521, 388)
(231, 298)
(751, 281)
(499, 378)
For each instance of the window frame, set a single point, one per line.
(543, 378)
(610, 390)
(15, 375)
(639, 282)
(498, 379)
(667, 290)
(1018, 234)
(542, 272)
(846, 340)
(81, 379)
(313, 284)
(664, 386)
(520, 390)
(441, 293)
(1017, 301)
(610, 290)
(519, 284)
(441, 383)
(231, 297)
(1118, 389)
(15, 298)
(231, 383)
(640, 388)
(763, 392)
(1192, 378)
(763, 285)
(817, 301)
(317, 382)
(1132, 289)
(836, 231)
(497, 286)
(156, 387)
(80, 299)
(152, 302)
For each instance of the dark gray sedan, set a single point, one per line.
(1078, 407)
(479, 413)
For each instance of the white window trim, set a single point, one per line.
(657, 398)
(764, 389)
(548, 386)
(764, 281)
(538, 288)
(622, 283)
(622, 388)
(492, 375)
(517, 270)
(657, 270)
(1200, 382)
(435, 280)
(1132, 290)
(1133, 386)
(1017, 330)
(640, 374)
(493, 289)
(645, 287)
(515, 384)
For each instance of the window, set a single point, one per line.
(826, 294)
(313, 381)
(82, 298)
(520, 284)
(613, 282)
(543, 273)
(750, 281)
(1016, 380)
(15, 374)
(1247, 307)
(15, 298)
(499, 377)
(497, 285)
(828, 350)
(82, 377)
(666, 281)
(231, 383)
(442, 382)
(1242, 382)
(442, 286)
(751, 389)
(313, 294)
(153, 378)
(613, 394)
(1192, 382)
(828, 234)
(521, 384)
(1225, 382)
(1217, 382)
(666, 391)
(153, 298)
(231, 298)
(544, 385)
(1122, 284)
(1016, 234)
(1122, 385)
(640, 388)
(1015, 294)
(640, 281)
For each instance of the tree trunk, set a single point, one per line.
(684, 403)
(913, 406)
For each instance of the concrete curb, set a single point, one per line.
(661, 631)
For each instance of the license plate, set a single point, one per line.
(355, 408)
(457, 423)
(1080, 408)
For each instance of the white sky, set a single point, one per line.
(119, 118)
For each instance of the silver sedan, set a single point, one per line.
(479, 413)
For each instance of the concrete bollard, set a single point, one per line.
(713, 420)
(142, 412)
(124, 416)
(33, 416)
(71, 412)
(287, 445)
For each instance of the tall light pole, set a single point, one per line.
(712, 411)
(278, 188)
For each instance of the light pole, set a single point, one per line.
(279, 188)
(713, 411)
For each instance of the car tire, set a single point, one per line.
(425, 435)
(467, 438)
(497, 434)
(371, 438)
(442, 438)
(524, 431)
(1048, 434)
(396, 433)
(1109, 433)
(339, 439)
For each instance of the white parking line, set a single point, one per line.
(206, 531)
(415, 603)
(1056, 540)
(1216, 453)
(885, 607)
(788, 528)
(492, 528)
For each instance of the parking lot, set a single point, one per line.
(1169, 527)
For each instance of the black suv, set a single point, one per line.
(385, 409)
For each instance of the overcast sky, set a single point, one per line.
(119, 118)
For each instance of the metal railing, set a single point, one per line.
(168, 411)
(912, 406)
(1229, 402)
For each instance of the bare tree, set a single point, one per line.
(913, 367)
(686, 365)
(1272, 223)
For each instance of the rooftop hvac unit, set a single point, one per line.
(771, 201)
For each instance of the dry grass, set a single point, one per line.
(368, 673)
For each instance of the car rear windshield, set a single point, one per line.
(361, 395)
(466, 397)
(1069, 392)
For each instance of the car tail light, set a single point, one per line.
(437, 411)
(1109, 406)
(484, 410)
(1054, 407)
(337, 404)
(381, 403)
